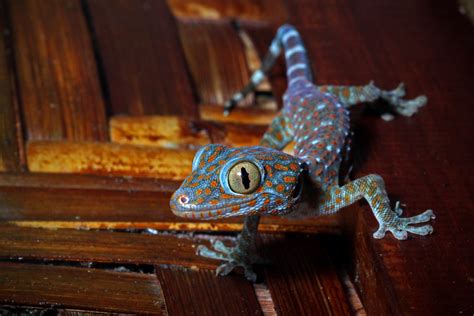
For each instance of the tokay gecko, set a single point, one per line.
(262, 180)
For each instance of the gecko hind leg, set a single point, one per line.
(352, 95)
(402, 106)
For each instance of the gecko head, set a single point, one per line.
(227, 182)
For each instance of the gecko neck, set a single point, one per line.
(307, 203)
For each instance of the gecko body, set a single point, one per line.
(262, 180)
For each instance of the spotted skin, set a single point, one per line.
(302, 185)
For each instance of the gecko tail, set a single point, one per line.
(297, 64)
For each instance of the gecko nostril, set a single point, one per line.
(183, 199)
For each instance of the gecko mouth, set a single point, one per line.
(209, 211)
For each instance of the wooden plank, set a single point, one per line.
(160, 131)
(20, 243)
(58, 84)
(216, 59)
(107, 159)
(201, 292)
(267, 10)
(93, 202)
(175, 132)
(142, 58)
(252, 115)
(29, 310)
(11, 144)
(302, 279)
(83, 288)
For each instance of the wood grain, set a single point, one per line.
(11, 144)
(141, 57)
(216, 59)
(252, 115)
(175, 132)
(58, 84)
(301, 278)
(160, 131)
(83, 288)
(104, 202)
(107, 159)
(69, 245)
(202, 293)
(267, 10)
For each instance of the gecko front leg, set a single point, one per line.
(372, 188)
(241, 255)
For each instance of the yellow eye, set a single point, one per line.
(244, 177)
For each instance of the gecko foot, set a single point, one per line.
(400, 226)
(402, 106)
(233, 256)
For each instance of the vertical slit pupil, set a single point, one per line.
(244, 175)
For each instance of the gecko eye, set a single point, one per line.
(244, 177)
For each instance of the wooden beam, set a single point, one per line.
(82, 288)
(60, 93)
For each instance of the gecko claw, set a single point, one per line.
(400, 227)
(234, 258)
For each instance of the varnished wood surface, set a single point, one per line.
(216, 59)
(141, 57)
(68, 67)
(57, 76)
(82, 288)
(196, 292)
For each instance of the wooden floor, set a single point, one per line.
(88, 162)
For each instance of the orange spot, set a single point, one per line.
(235, 208)
(226, 196)
(214, 183)
(193, 185)
(268, 183)
(294, 167)
(252, 203)
(289, 179)
(266, 202)
(337, 191)
(281, 167)
(214, 202)
(219, 212)
(212, 168)
(347, 199)
(209, 214)
(280, 188)
(199, 201)
(199, 191)
(207, 191)
(338, 200)
(269, 170)
(346, 92)
(221, 162)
